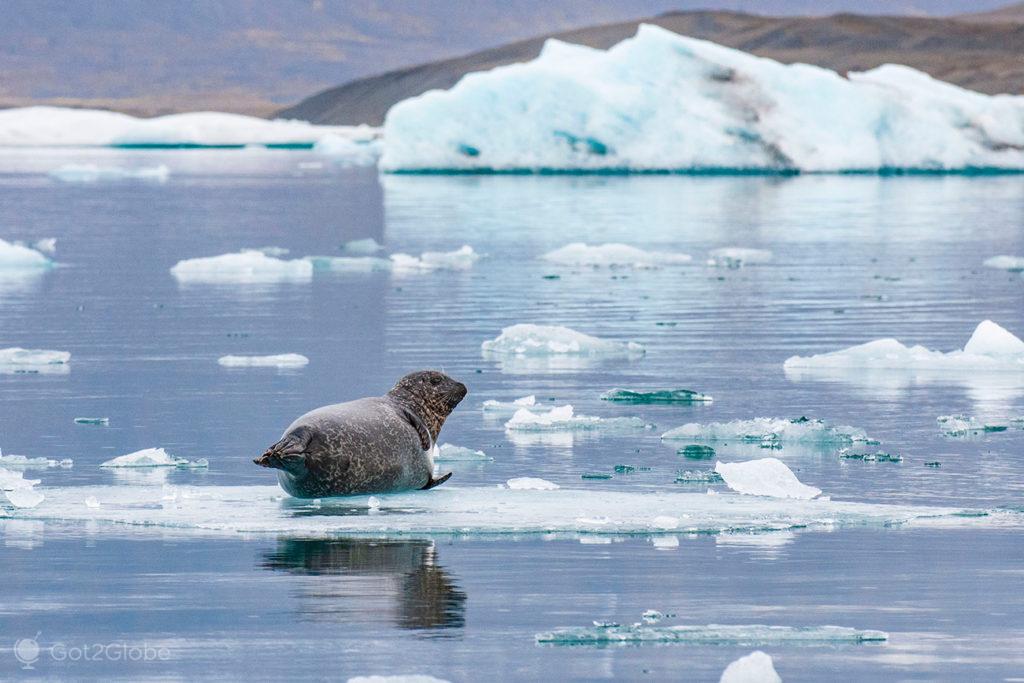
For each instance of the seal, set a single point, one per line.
(372, 445)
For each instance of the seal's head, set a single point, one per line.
(431, 395)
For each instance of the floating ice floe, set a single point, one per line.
(154, 457)
(346, 151)
(770, 432)
(283, 360)
(462, 258)
(757, 667)
(451, 453)
(484, 510)
(764, 477)
(527, 339)
(508, 408)
(664, 102)
(17, 360)
(47, 245)
(1014, 264)
(655, 396)
(866, 456)
(245, 267)
(92, 420)
(737, 257)
(349, 264)
(93, 173)
(990, 348)
(699, 477)
(562, 418)
(23, 462)
(18, 490)
(964, 425)
(710, 634)
(613, 255)
(531, 484)
(16, 257)
(64, 127)
(400, 678)
(362, 247)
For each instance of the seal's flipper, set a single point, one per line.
(288, 452)
(436, 482)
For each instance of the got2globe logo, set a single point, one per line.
(26, 651)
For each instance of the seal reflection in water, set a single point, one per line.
(403, 574)
(372, 445)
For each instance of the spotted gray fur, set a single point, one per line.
(371, 445)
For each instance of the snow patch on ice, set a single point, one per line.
(284, 360)
(613, 255)
(764, 477)
(249, 266)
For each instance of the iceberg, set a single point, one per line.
(508, 408)
(757, 667)
(284, 360)
(154, 457)
(16, 257)
(770, 432)
(662, 102)
(92, 420)
(710, 634)
(737, 257)
(613, 255)
(249, 266)
(64, 127)
(527, 339)
(990, 348)
(965, 425)
(362, 247)
(764, 477)
(22, 462)
(1014, 264)
(450, 453)
(19, 491)
(92, 173)
(344, 150)
(16, 360)
(655, 396)
(480, 510)
(563, 419)
(460, 259)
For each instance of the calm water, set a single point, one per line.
(856, 258)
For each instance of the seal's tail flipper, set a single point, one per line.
(288, 451)
(436, 482)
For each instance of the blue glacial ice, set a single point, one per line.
(462, 258)
(757, 667)
(92, 420)
(93, 173)
(63, 127)
(663, 102)
(770, 432)
(605, 633)
(990, 348)
(349, 264)
(282, 360)
(249, 266)
(564, 419)
(520, 507)
(764, 477)
(613, 255)
(684, 396)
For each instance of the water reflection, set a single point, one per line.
(418, 593)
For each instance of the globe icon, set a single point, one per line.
(26, 650)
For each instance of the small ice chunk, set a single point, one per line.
(92, 420)
(562, 418)
(737, 257)
(509, 407)
(531, 484)
(47, 245)
(655, 396)
(990, 348)
(460, 259)
(373, 502)
(757, 667)
(770, 432)
(25, 463)
(362, 247)
(613, 255)
(153, 457)
(652, 616)
(274, 251)
(878, 456)
(249, 266)
(710, 634)
(349, 264)
(450, 453)
(19, 490)
(526, 339)
(764, 477)
(1014, 264)
(16, 356)
(18, 257)
(699, 477)
(94, 173)
(91, 502)
(402, 678)
(284, 360)
(963, 425)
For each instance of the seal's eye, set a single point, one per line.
(435, 380)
